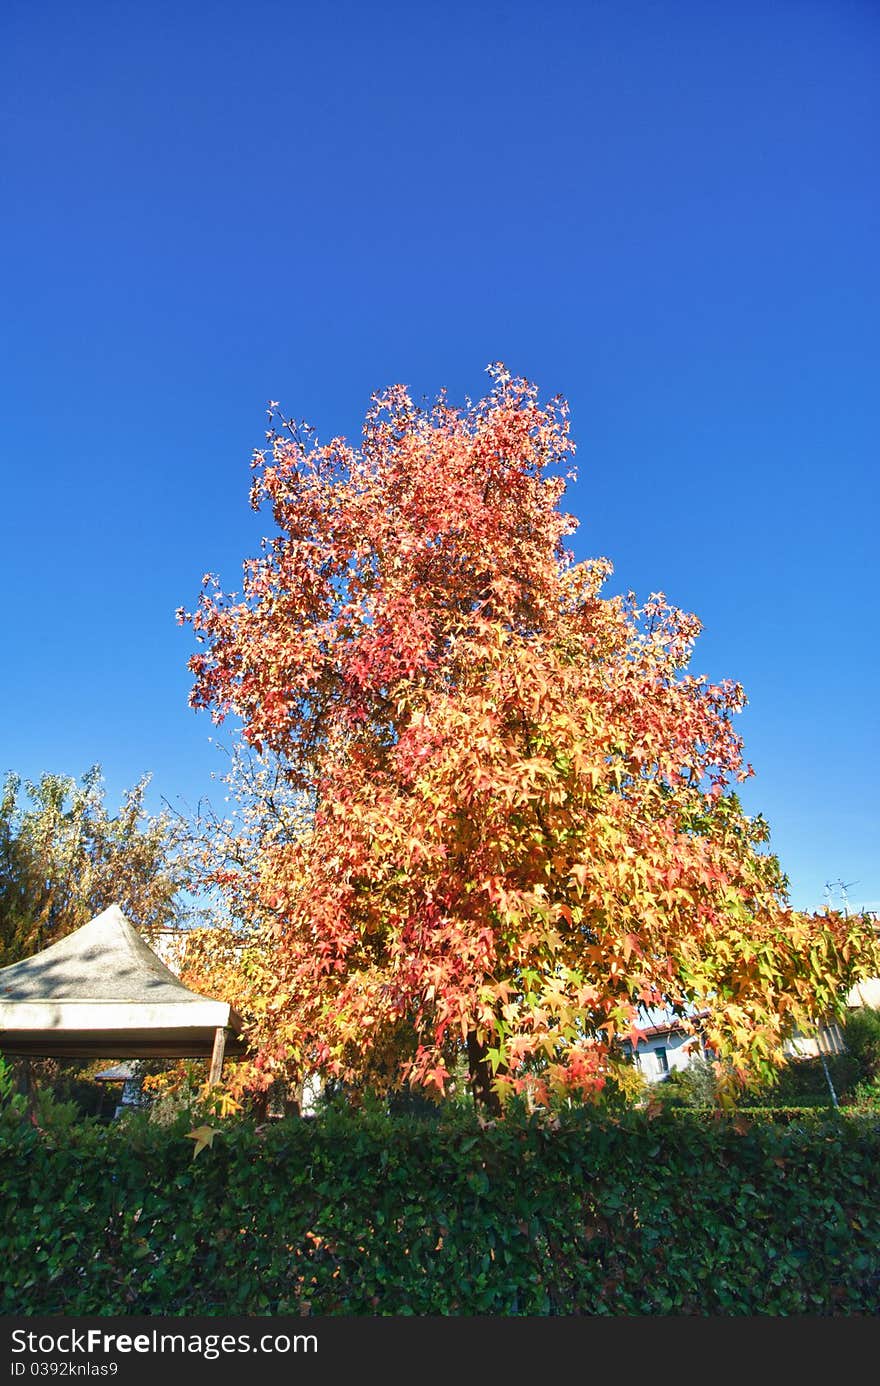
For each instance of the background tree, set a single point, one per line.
(64, 857)
(524, 827)
(233, 955)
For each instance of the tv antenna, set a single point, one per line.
(843, 887)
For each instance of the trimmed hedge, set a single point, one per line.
(683, 1214)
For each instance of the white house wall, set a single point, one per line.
(679, 1050)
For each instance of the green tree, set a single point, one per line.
(64, 857)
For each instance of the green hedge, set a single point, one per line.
(683, 1214)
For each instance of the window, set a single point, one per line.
(662, 1061)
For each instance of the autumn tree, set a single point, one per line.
(524, 824)
(232, 953)
(64, 857)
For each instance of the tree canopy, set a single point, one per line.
(64, 857)
(523, 822)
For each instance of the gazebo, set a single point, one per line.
(101, 992)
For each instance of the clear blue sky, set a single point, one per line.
(670, 213)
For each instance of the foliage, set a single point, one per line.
(865, 1095)
(172, 1091)
(685, 1214)
(233, 955)
(694, 1086)
(68, 1081)
(803, 1082)
(855, 1073)
(181, 1092)
(520, 825)
(625, 1087)
(7, 1081)
(861, 1033)
(64, 858)
(41, 1106)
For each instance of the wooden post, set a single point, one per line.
(217, 1056)
(31, 1091)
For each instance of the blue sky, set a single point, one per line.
(668, 213)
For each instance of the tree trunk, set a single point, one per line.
(259, 1105)
(481, 1076)
(30, 1089)
(293, 1099)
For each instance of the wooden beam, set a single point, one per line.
(217, 1056)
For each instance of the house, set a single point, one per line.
(664, 1044)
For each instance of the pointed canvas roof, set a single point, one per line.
(102, 991)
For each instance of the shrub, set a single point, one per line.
(803, 1083)
(694, 1086)
(587, 1214)
(861, 1033)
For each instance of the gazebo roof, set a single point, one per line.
(102, 992)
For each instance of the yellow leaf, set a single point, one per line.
(202, 1135)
